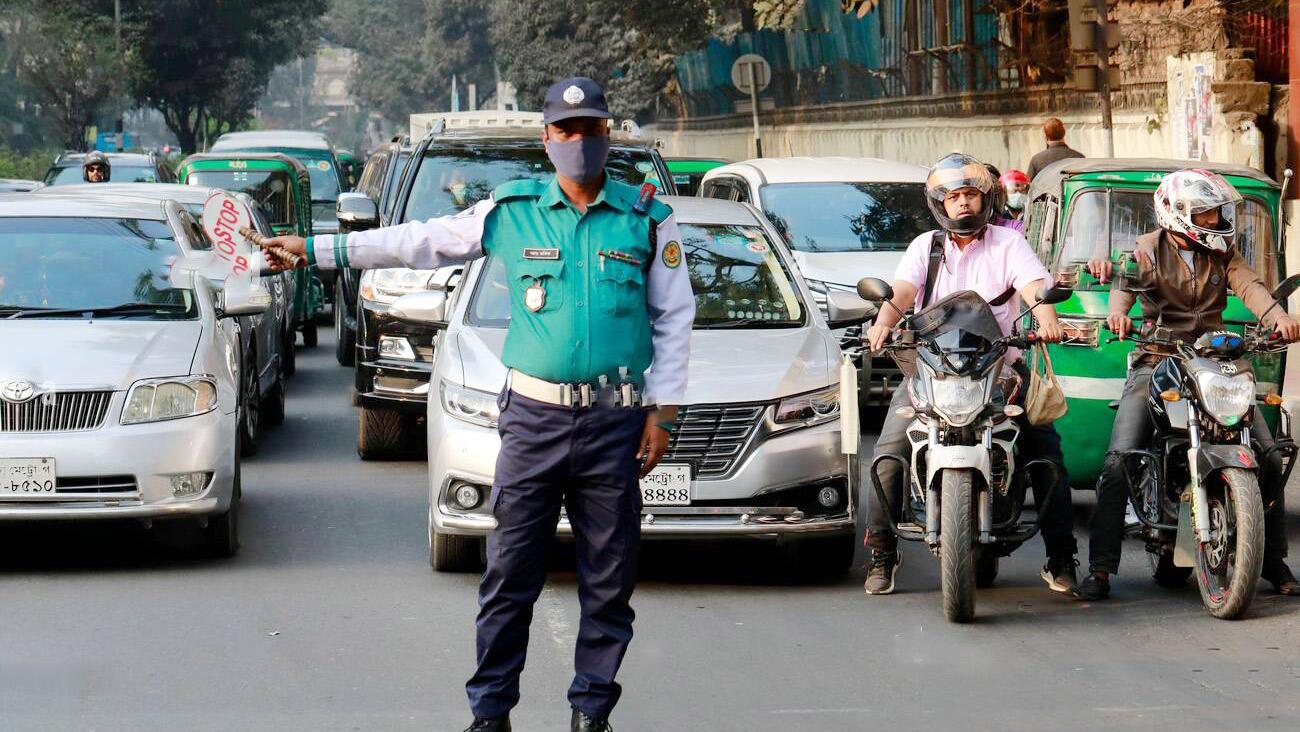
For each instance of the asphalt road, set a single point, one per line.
(330, 619)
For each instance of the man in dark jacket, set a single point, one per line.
(1054, 131)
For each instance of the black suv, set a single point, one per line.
(379, 180)
(447, 172)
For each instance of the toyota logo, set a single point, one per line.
(17, 391)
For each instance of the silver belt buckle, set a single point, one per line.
(584, 393)
(566, 395)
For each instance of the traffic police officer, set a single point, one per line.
(599, 295)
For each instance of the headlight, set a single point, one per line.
(470, 405)
(807, 409)
(1226, 398)
(957, 398)
(155, 400)
(386, 285)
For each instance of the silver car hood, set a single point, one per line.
(726, 365)
(96, 352)
(846, 268)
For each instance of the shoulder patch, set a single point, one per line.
(672, 255)
(523, 188)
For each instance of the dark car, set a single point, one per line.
(126, 168)
(378, 182)
(448, 171)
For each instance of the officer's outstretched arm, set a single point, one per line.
(418, 244)
(671, 306)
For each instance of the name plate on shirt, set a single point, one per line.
(541, 254)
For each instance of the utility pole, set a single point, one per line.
(1092, 38)
(119, 129)
(1293, 111)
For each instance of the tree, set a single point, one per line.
(204, 63)
(58, 57)
(391, 76)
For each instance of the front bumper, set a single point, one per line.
(766, 496)
(134, 463)
(389, 383)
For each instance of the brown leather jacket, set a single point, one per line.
(1188, 303)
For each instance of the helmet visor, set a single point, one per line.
(956, 172)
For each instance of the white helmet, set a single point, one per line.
(1186, 192)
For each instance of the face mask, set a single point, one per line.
(581, 160)
(1017, 201)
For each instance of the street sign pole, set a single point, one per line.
(753, 107)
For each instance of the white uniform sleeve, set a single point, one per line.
(671, 306)
(418, 244)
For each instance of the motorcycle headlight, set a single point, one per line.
(155, 400)
(1226, 398)
(386, 285)
(957, 398)
(470, 405)
(808, 409)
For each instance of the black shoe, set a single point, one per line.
(1059, 574)
(1276, 572)
(489, 725)
(881, 569)
(582, 723)
(1093, 587)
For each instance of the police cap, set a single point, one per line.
(576, 97)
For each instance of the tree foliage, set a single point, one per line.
(207, 62)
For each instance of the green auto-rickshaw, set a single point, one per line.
(1087, 207)
(688, 172)
(350, 168)
(282, 186)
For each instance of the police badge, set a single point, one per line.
(535, 297)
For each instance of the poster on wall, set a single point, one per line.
(1193, 113)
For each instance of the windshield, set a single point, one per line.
(1131, 214)
(120, 173)
(737, 276)
(320, 167)
(847, 217)
(452, 180)
(272, 189)
(58, 263)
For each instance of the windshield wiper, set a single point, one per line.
(725, 324)
(126, 308)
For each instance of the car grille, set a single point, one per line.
(712, 437)
(64, 411)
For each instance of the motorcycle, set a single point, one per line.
(966, 491)
(1195, 489)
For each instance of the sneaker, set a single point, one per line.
(1093, 587)
(1059, 574)
(880, 572)
(1276, 572)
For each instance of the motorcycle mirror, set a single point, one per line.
(1287, 287)
(874, 289)
(1052, 293)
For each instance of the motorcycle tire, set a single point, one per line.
(1228, 598)
(1165, 573)
(957, 545)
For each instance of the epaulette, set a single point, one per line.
(659, 211)
(522, 188)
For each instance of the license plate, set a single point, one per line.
(667, 485)
(26, 477)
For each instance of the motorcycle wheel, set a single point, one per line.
(1228, 566)
(1165, 573)
(957, 547)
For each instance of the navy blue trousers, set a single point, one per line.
(585, 458)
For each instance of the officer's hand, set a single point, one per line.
(877, 336)
(1101, 268)
(654, 443)
(1119, 324)
(1289, 329)
(295, 245)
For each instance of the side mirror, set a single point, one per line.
(1051, 293)
(1287, 288)
(242, 298)
(357, 212)
(843, 309)
(875, 289)
(421, 308)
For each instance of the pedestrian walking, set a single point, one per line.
(1054, 132)
(598, 295)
